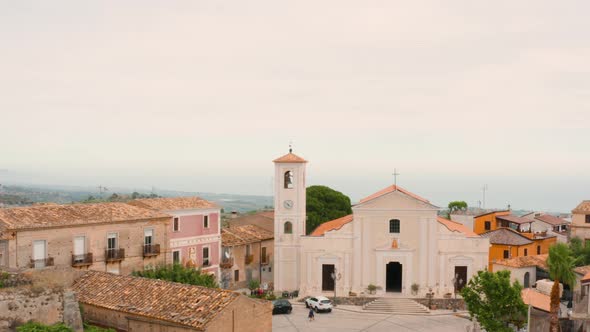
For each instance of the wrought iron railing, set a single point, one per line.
(151, 250)
(114, 255)
(82, 260)
(41, 263)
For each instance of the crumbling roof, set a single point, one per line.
(583, 207)
(174, 203)
(331, 225)
(54, 215)
(245, 234)
(188, 305)
(454, 226)
(525, 261)
(506, 236)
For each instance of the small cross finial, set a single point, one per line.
(395, 174)
(290, 147)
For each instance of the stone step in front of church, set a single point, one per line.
(396, 306)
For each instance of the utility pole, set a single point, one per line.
(484, 188)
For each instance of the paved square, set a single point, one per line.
(340, 320)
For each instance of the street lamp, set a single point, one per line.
(457, 282)
(335, 277)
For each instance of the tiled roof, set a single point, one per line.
(263, 219)
(514, 219)
(471, 211)
(290, 158)
(583, 270)
(525, 261)
(552, 220)
(391, 189)
(53, 215)
(174, 203)
(583, 207)
(188, 305)
(586, 277)
(454, 226)
(244, 234)
(331, 225)
(536, 299)
(506, 236)
(490, 212)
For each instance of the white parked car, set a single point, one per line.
(319, 303)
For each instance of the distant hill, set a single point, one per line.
(22, 195)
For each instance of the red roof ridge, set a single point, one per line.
(391, 189)
(290, 158)
(331, 225)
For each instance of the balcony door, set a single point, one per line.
(39, 253)
(79, 248)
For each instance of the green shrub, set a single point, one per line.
(253, 284)
(180, 274)
(92, 328)
(38, 327)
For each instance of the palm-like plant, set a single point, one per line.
(561, 268)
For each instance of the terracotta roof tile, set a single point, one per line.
(583, 207)
(493, 211)
(454, 226)
(506, 236)
(391, 189)
(174, 203)
(43, 216)
(264, 219)
(188, 305)
(525, 261)
(515, 219)
(290, 158)
(586, 277)
(536, 299)
(583, 270)
(244, 234)
(331, 225)
(552, 220)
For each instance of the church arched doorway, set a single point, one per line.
(393, 282)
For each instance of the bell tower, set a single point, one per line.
(289, 222)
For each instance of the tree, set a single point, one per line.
(494, 302)
(179, 273)
(325, 204)
(579, 251)
(561, 265)
(457, 206)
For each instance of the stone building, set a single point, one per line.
(580, 226)
(247, 254)
(139, 304)
(111, 237)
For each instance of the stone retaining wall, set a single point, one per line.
(443, 303)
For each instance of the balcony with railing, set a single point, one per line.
(206, 263)
(248, 259)
(41, 263)
(227, 263)
(82, 260)
(114, 255)
(150, 250)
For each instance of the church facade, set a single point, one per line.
(393, 239)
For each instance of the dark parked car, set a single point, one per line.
(281, 306)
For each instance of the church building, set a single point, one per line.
(393, 239)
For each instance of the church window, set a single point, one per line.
(288, 228)
(488, 225)
(506, 254)
(394, 226)
(288, 180)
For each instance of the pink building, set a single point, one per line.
(194, 231)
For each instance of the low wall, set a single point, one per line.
(443, 303)
(19, 305)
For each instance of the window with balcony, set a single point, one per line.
(394, 226)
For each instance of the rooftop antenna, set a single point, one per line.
(395, 174)
(102, 189)
(484, 188)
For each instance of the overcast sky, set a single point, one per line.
(202, 95)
